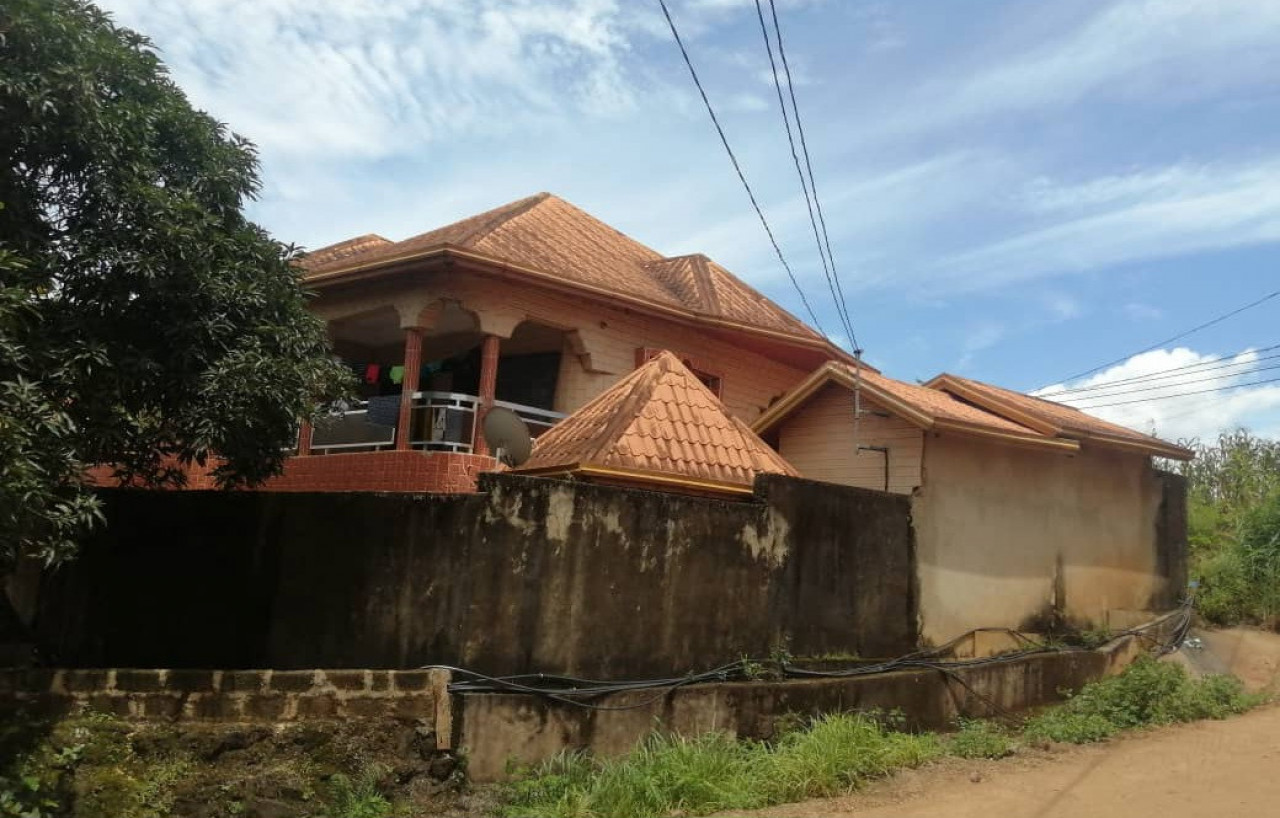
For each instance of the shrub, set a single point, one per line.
(360, 797)
(980, 738)
(1147, 693)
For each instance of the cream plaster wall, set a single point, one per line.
(1005, 534)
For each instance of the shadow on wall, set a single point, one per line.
(533, 575)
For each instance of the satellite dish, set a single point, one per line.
(507, 436)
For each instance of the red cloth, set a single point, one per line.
(371, 373)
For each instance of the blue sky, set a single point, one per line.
(1015, 191)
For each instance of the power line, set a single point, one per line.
(1177, 337)
(1164, 374)
(1169, 385)
(724, 140)
(827, 258)
(795, 158)
(1182, 394)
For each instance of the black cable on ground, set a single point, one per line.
(577, 692)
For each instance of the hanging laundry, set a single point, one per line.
(397, 374)
(371, 373)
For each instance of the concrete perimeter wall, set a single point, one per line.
(533, 575)
(1028, 539)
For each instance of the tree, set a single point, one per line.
(144, 321)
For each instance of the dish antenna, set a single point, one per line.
(507, 436)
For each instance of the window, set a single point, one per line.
(712, 380)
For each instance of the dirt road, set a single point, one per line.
(1216, 768)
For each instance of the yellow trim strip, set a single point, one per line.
(639, 475)
(1061, 444)
(1157, 447)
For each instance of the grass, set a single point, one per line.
(835, 754)
(714, 772)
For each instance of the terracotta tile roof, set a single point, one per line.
(924, 407)
(660, 424)
(344, 250)
(939, 404)
(547, 234)
(1052, 418)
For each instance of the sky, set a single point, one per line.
(1016, 192)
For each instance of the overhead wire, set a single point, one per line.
(1184, 394)
(724, 140)
(1218, 320)
(1171, 372)
(808, 186)
(1178, 385)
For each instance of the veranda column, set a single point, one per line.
(412, 364)
(304, 439)
(489, 350)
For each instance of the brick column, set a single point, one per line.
(304, 439)
(489, 351)
(412, 364)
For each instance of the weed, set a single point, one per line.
(360, 797)
(980, 738)
(1146, 693)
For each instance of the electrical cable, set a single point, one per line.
(1177, 385)
(1177, 337)
(824, 250)
(1172, 372)
(1184, 394)
(724, 140)
(572, 691)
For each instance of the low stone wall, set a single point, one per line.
(495, 729)
(254, 696)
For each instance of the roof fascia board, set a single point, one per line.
(1014, 438)
(834, 373)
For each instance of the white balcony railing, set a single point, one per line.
(439, 422)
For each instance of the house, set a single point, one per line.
(535, 306)
(1027, 512)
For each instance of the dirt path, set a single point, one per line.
(1217, 768)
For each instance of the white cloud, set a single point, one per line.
(371, 78)
(1151, 214)
(1140, 50)
(1223, 398)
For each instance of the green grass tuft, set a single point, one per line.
(980, 738)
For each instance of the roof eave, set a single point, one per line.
(832, 372)
(946, 383)
(1015, 438)
(385, 266)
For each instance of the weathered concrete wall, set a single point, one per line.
(1017, 537)
(534, 575)
(495, 729)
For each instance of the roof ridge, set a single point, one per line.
(509, 212)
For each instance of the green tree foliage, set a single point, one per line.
(1233, 522)
(144, 321)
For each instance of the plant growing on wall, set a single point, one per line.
(144, 321)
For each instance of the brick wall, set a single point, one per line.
(413, 471)
(273, 696)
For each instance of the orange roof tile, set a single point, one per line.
(659, 425)
(1051, 417)
(547, 234)
(927, 408)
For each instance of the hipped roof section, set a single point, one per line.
(546, 239)
(658, 426)
(1055, 419)
(921, 406)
